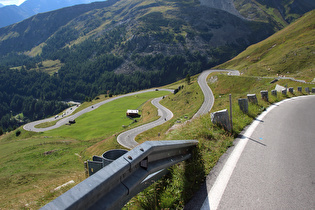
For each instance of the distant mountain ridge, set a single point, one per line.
(12, 14)
(120, 46)
(280, 12)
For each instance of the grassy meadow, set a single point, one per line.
(32, 164)
(184, 179)
(289, 52)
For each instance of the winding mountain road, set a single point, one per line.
(271, 165)
(208, 95)
(31, 126)
(127, 138)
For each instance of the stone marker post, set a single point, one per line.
(274, 93)
(300, 89)
(291, 89)
(252, 98)
(313, 90)
(221, 118)
(243, 104)
(307, 90)
(231, 119)
(264, 95)
(284, 92)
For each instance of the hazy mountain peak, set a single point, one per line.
(10, 15)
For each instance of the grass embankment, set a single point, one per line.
(33, 164)
(184, 179)
(288, 52)
(98, 99)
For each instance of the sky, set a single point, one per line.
(10, 2)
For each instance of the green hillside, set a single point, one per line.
(289, 52)
(117, 46)
(277, 13)
(33, 164)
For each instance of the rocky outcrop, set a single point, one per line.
(225, 5)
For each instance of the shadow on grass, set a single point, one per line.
(150, 198)
(194, 174)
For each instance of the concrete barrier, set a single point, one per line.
(279, 88)
(300, 89)
(264, 95)
(243, 104)
(274, 93)
(284, 92)
(307, 90)
(221, 118)
(252, 98)
(291, 89)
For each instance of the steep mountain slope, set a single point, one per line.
(225, 5)
(290, 51)
(278, 13)
(25, 35)
(13, 14)
(145, 23)
(116, 46)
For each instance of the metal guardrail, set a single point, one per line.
(114, 185)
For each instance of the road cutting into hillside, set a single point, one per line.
(127, 139)
(271, 165)
(207, 92)
(31, 126)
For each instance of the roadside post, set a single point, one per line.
(230, 96)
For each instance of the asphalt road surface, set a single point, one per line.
(272, 165)
(208, 95)
(31, 126)
(127, 138)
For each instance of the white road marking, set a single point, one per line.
(215, 194)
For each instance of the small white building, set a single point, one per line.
(132, 113)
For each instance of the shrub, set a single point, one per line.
(18, 132)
